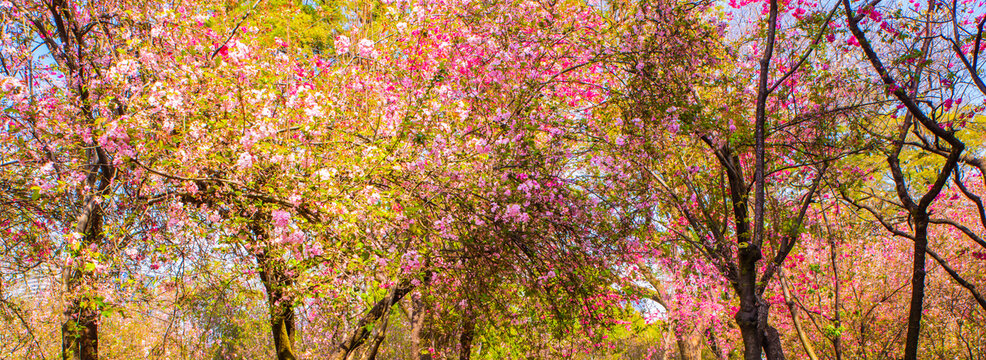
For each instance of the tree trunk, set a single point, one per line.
(361, 333)
(282, 326)
(772, 342)
(80, 336)
(79, 333)
(917, 285)
(277, 283)
(418, 347)
(465, 339)
(283, 329)
(748, 317)
(837, 340)
(690, 344)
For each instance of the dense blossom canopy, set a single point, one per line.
(437, 179)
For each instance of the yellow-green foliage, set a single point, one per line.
(309, 24)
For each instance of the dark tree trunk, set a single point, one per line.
(79, 333)
(917, 284)
(745, 282)
(919, 210)
(758, 336)
(748, 317)
(772, 343)
(465, 339)
(753, 313)
(282, 326)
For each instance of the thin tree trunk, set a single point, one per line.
(465, 339)
(273, 274)
(918, 273)
(789, 301)
(80, 331)
(361, 333)
(833, 256)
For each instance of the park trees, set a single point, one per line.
(917, 71)
(64, 100)
(416, 174)
(356, 178)
(687, 141)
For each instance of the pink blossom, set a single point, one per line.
(513, 210)
(236, 50)
(127, 67)
(296, 237)
(280, 218)
(245, 161)
(342, 44)
(11, 85)
(365, 48)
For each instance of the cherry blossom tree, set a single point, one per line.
(429, 179)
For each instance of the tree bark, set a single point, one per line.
(833, 257)
(772, 343)
(283, 329)
(418, 314)
(689, 344)
(277, 283)
(465, 339)
(282, 318)
(745, 283)
(748, 317)
(361, 333)
(789, 301)
(753, 313)
(79, 333)
(918, 273)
